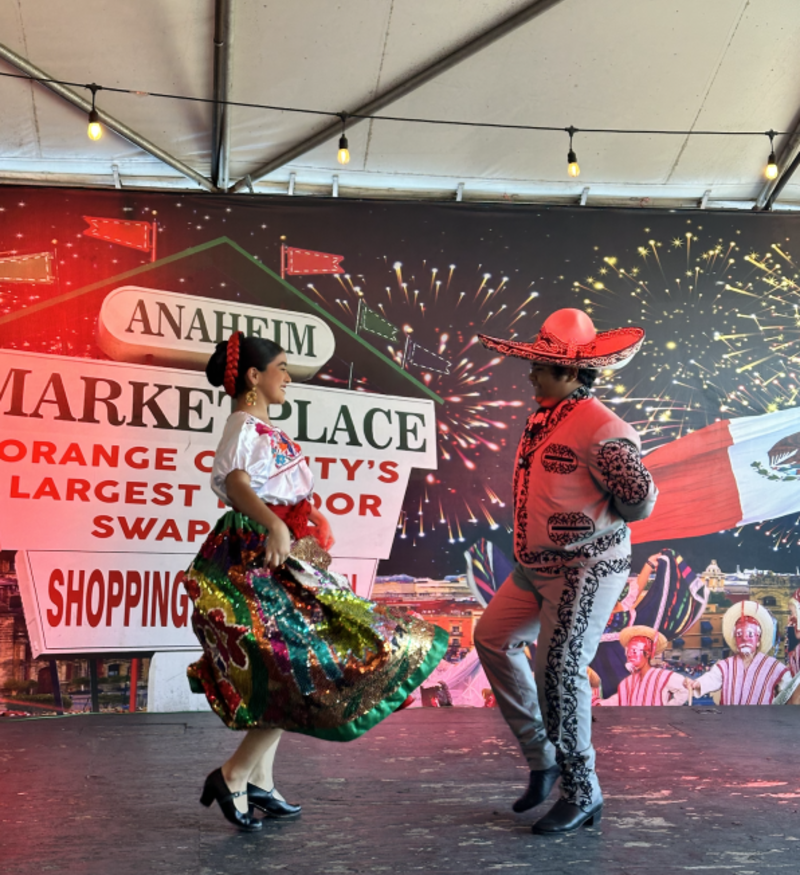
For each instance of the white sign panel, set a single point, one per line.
(105, 602)
(155, 327)
(112, 458)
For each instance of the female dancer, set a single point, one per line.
(287, 644)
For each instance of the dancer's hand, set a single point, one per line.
(278, 545)
(323, 533)
(693, 686)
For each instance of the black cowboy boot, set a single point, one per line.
(540, 784)
(565, 817)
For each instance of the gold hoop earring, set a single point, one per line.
(251, 398)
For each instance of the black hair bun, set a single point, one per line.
(215, 369)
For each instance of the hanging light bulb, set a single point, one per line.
(95, 130)
(343, 155)
(771, 170)
(572, 159)
(573, 168)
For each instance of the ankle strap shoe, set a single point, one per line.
(266, 801)
(216, 789)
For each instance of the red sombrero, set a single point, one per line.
(568, 337)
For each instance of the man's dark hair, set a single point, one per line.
(587, 376)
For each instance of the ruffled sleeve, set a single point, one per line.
(238, 450)
(278, 471)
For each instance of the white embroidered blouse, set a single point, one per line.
(279, 473)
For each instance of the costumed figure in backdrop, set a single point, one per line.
(578, 478)
(666, 595)
(793, 634)
(597, 686)
(287, 644)
(790, 694)
(749, 676)
(646, 684)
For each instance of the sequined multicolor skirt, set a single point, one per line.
(296, 648)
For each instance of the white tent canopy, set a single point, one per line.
(716, 65)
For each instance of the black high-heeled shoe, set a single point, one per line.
(266, 801)
(216, 789)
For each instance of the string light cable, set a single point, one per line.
(771, 169)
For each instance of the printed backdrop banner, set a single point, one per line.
(97, 457)
(108, 426)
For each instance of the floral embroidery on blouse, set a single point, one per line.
(286, 452)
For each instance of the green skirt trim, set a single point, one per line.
(360, 725)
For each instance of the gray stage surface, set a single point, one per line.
(429, 790)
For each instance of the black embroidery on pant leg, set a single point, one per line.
(561, 674)
(623, 472)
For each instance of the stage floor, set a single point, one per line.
(429, 790)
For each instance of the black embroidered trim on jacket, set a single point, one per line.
(536, 432)
(625, 477)
(567, 528)
(584, 551)
(559, 459)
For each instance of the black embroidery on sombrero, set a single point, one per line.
(623, 472)
(559, 459)
(585, 551)
(536, 432)
(562, 670)
(548, 350)
(568, 528)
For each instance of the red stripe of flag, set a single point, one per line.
(696, 486)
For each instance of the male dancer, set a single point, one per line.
(578, 478)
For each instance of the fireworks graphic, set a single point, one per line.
(723, 326)
(723, 336)
(481, 417)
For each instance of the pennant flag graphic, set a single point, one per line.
(136, 235)
(425, 359)
(33, 268)
(304, 262)
(728, 474)
(369, 320)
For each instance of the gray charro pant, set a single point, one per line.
(549, 711)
